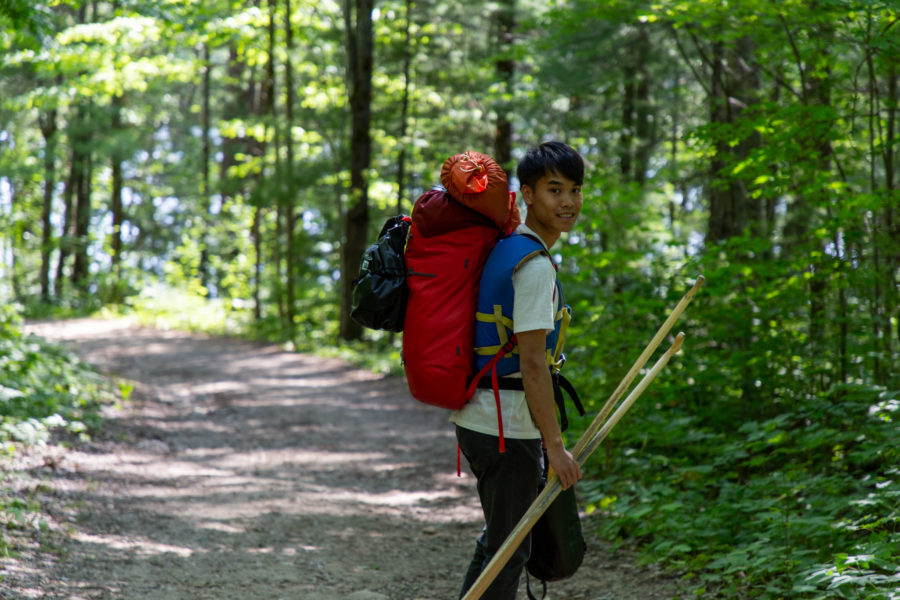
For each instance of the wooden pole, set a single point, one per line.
(553, 487)
(637, 366)
(592, 444)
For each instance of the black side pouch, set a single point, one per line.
(380, 291)
(557, 541)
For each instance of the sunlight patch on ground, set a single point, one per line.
(78, 328)
(219, 387)
(191, 488)
(392, 498)
(216, 525)
(387, 467)
(171, 469)
(12, 567)
(140, 545)
(311, 459)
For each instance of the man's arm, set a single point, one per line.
(539, 395)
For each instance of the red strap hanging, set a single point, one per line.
(496, 387)
(492, 367)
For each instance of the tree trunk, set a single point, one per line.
(643, 118)
(257, 263)
(636, 134)
(48, 130)
(820, 94)
(269, 106)
(238, 104)
(404, 107)
(892, 243)
(290, 186)
(15, 241)
(205, 154)
(265, 109)
(360, 48)
(80, 268)
(80, 136)
(892, 223)
(880, 328)
(68, 234)
(811, 200)
(505, 68)
(117, 185)
(734, 85)
(626, 134)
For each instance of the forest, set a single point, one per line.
(247, 153)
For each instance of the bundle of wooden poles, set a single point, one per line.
(589, 441)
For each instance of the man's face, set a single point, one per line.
(553, 205)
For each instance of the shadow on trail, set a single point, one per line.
(239, 470)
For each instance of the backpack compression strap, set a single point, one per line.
(491, 367)
(528, 588)
(560, 385)
(495, 383)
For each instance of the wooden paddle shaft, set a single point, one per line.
(553, 487)
(638, 365)
(592, 444)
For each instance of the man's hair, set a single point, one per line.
(550, 157)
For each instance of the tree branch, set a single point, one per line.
(687, 60)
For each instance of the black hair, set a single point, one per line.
(547, 158)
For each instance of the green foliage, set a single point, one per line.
(25, 15)
(806, 504)
(754, 143)
(42, 388)
(18, 513)
(748, 466)
(167, 307)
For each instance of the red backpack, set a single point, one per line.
(451, 234)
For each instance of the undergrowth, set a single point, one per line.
(44, 390)
(805, 505)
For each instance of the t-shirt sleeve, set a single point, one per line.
(534, 306)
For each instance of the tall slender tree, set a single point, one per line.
(117, 184)
(290, 191)
(505, 66)
(205, 157)
(83, 171)
(404, 104)
(360, 62)
(49, 127)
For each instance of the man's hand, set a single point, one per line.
(565, 467)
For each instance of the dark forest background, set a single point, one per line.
(247, 152)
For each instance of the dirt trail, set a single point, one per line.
(241, 471)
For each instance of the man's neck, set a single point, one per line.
(548, 237)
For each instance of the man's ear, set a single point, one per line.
(526, 192)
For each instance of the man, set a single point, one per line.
(501, 435)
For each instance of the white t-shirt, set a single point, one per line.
(534, 307)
